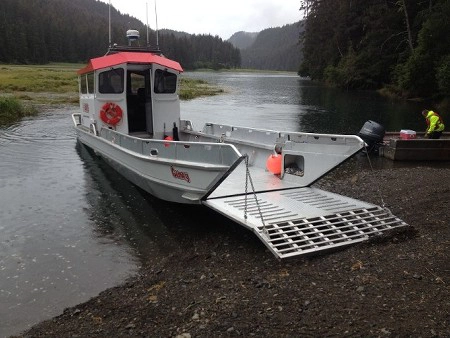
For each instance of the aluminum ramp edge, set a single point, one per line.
(306, 220)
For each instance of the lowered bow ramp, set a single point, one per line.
(307, 220)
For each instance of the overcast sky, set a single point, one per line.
(221, 18)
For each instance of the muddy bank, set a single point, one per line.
(222, 281)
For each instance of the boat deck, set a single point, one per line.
(294, 221)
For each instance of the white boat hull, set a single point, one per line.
(168, 179)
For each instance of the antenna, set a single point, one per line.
(157, 35)
(109, 22)
(146, 10)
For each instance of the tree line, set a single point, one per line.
(399, 45)
(42, 31)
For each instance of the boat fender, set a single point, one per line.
(111, 113)
(167, 138)
(273, 164)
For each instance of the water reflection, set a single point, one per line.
(154, 229)
(258, 100)
(333, 110)
(287, 102)
(120, 211)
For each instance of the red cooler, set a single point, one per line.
(406, 134)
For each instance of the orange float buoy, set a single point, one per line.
(167, 138)
(273, 164)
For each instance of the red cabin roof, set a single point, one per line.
(128, 57)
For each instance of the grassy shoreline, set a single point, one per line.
(12, 109)
(24, 87)
(57, 83)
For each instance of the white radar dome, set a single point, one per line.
(132, 34)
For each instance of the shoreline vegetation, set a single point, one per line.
(12, 109)
(23, 88)
(402, 50)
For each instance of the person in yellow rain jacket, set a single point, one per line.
(435, 124)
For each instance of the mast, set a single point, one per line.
(146, 11)
(157, 34)
(109, 23)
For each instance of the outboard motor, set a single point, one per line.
(372, 133)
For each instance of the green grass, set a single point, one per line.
(57, 83)
(12, 109)
(191, 88)
(54, 78)
(23, 87)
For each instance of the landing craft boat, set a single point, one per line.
(130, 116)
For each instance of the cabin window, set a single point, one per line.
(111, 81)
(90, 83)
(165, 82)
(83, 86)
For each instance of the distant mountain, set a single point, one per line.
(276, 48)
(242, 39)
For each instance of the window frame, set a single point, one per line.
(165, 82)
(106, 79)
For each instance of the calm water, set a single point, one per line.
(286, 102)
(70, 227)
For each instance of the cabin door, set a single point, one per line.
(139, 102)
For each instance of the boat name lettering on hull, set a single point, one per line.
(181, 175)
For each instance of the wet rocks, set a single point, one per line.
(380, 288)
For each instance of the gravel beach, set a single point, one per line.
(221, 281)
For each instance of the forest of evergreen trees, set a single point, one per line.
(400, 45)
(403, 45)
(42, 31)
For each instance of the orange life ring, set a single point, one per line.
(111, 113)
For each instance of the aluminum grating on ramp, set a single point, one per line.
(306, 220)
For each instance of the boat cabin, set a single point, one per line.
(132, 92)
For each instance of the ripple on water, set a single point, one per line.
(46, 139)
(50, 255)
